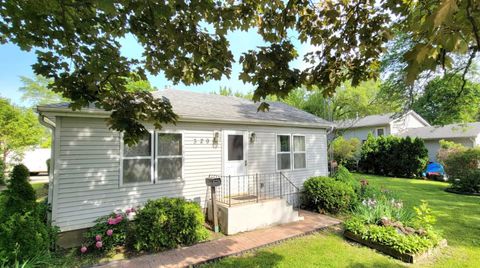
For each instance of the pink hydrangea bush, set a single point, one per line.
(108, 232)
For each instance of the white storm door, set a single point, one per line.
(234, 153)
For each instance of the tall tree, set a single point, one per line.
(20, 129)
(35, 91)
(77, 45)
(437, 107)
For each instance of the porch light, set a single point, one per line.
(216, 134)
(253, 137)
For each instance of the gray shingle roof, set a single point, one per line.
(465, 130)
(189, 104)
(370, 120)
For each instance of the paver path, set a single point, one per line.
(229, 245)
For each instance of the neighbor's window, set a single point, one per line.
(380, 132)
(299, 152)
(283, 152)
(137, 161)
(169, 156)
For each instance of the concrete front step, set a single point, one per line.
(254, 215)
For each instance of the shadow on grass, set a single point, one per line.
(258, 259)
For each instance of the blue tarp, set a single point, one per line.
(435, 168)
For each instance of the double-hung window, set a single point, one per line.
(283, 152)
(137, 164)
(299, 152)
(291, 152)
(156, 157)
(169, 156)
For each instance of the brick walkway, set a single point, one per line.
(229, 245)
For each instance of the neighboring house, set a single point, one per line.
(380, 125)
(467, 134)
(258, 155)
(413, 125)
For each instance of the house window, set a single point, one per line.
(299, 152)
(169, 156)
(291, 150)
(137, 164)
(283, 152)
(153, 159)
(380, 132)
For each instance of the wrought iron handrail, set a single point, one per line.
(242, 189)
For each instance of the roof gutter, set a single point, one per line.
(105, 114)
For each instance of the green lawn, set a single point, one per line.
(458, 217)
(40, 190)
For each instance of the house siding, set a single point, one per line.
(433, 145)
(87, 167)
(361, 133)
(406, 122)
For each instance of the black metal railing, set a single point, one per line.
(242, 189)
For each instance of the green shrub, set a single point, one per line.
(2, 172)
(345, 176)
(108, 232)
(346, 151)
(389, 236)
(419, 240)
(448, 148)
(389, 155)
(19, 195)
(328, 194)
(166, 223)
(24, 236)
(463, 170)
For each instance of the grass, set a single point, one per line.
(458, 217)
(41, 191)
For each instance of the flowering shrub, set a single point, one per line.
(108, 232)
(328, 194)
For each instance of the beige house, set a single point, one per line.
(263, 158)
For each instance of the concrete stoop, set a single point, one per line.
(250, 216)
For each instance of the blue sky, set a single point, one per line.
(15, 63)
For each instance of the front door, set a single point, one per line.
(234, 153)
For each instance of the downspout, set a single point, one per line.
(51, 125)
(330, 152)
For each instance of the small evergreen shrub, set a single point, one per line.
(463, 170)
(167, 223)
(328, 194)
(393, 156)
(24, 236)
(19, 195)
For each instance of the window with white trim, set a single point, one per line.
(283, 152)
(299, 152)
(380, 132)
(169, 156)
(158, 156)
(137, 164)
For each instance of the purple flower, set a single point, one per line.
(83, 249)
(99, 244)
(128, 211)
(109, 232)
(98, 237)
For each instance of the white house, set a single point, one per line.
(413, 125)
(262, 154)
(379, 125)
(467, 134)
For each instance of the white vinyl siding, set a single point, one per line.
(87, 170)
